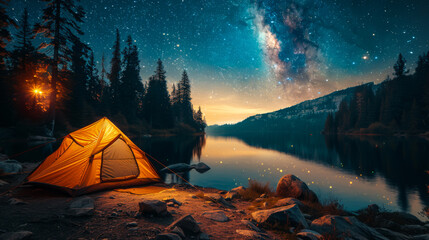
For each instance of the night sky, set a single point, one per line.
(252, 56)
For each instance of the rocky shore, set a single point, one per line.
(179, 212)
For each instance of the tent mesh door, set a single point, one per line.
(118, 162)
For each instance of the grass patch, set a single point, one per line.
(316, 210)
(255, 190)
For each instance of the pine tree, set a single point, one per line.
(156, 103)
(186, 109)
(5, 36)
(131, 86)
(115, 75)
(77, 104)
(329, 124)
(24, 49)
(94, 86)
(399, 67)
(60, 23)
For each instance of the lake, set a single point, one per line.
(356, 171)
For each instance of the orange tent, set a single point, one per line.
(96, 157)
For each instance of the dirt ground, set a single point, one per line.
(45, 214)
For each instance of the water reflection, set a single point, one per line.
(401, 162)
(172, 150)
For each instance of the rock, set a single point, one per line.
(152, 207)
(252, 234)
(10, 167)
(203, 236)
(168, 236)
(217, 198)
(421, 237)
(82, 206)
(113, 215)
(290, 215)
(250, 225)
(264, 195)
(231, 195)
(177, 230)
(16, 201)
(172, 201)
(3, 183)
(187, 224)
(178, 168)
(345, 227)
(288, 201)
(218, 216)
(414, 229)
(307, 234)
(238, 189)
(259, 200)
(373, 209)
(132, 224)
(133, 229)
(192, 196)
(392, 235)
(291, 186)
(16, 235)
(201, 167)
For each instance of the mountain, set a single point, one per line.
(308, 116)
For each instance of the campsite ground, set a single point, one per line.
(44, 213)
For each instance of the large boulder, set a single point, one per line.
(287, 215)
(155, 207)
(187, 224)
(348, 228)
(83, 206)
(218, 216)
(291, 186)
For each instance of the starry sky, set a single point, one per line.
(252, 56)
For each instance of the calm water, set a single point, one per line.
(390, 172)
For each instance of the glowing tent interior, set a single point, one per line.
(95, 157)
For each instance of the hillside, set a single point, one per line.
(308, 116)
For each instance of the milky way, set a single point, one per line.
(251, 56)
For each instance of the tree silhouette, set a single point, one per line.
(60, 23)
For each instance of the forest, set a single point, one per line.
(56, 86)
(399, 105)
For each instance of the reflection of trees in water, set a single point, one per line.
(402, 162)
(172, 150)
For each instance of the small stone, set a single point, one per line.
(16, 235)
(218, 216)
(152, 207)
(177, 230)
(3, 183)
(307, 234)
(231, 196)
(238, 189)
(133, 229)
(83, 206)
(112, 197)
(288, 201)
(186, 223)
(113, 215)
(132, 224)
(168, 236)
(264, 195)
(252, 234)
(192, 196)
(16, 201)
(250, 225)
(203, 236)
(171, 201)
(120, 204)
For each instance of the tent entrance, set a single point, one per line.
(118, 162)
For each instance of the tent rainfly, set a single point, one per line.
(98, 156)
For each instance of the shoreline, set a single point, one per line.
(241, 213)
